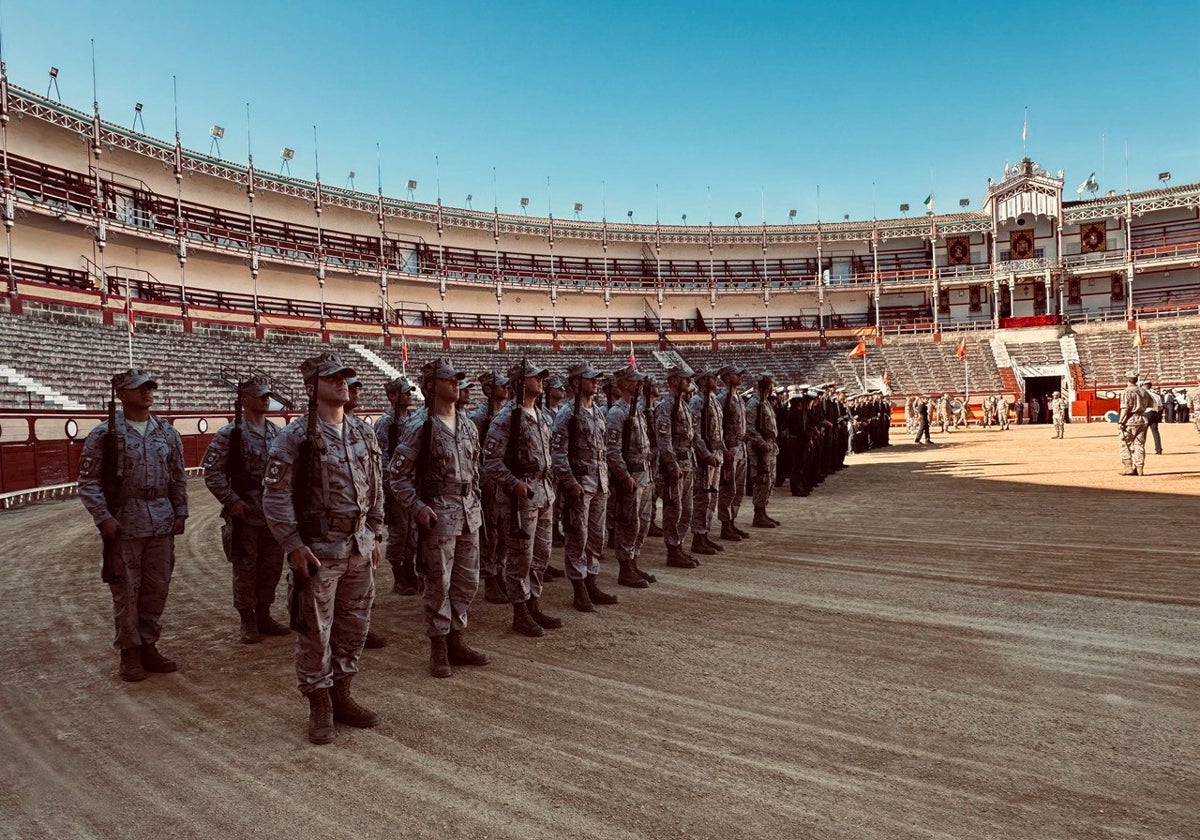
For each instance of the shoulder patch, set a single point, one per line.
(559, 439)
(614, 436)
(88, 467)
(277, 471)
(210, 458)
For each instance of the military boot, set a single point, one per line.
(677, 560)
(581, 602)
(654, 530)
(717, 547)
(1127, 470)
(699, 546)
(523, 622)
(761, 520)
(320, 717)
(460, 653)
(268, 626)
(775, 523)
(249, 627)
(597, 595)
(743, 534)
(131, 665)
(547, 622)
(374, 640)
(552, 573)
(493, 590)
(729, 533)
(439, 657)
(646, 576)
(629, 576)
(346, 710)
(155, 662)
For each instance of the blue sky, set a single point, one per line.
(647, 106)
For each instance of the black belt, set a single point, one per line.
(636, 466)
(346, 524)
(540, 475)
(146, 494)
(452, 488)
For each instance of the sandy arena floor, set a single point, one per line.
(993, 637)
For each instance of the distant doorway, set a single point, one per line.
(1038, 392)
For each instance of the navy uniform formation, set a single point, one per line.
(468, 497)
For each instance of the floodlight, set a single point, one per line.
(216, 132)
(903, 208)
(1164, 176)
(524, 201)
(137, 107)
(578, 207)
(737, 217)
(630, 215)
(412, 185)
(286, 154)
(53, 72)
(791, 214)
(964, 202)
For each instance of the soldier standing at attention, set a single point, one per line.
(323, 500)
(945, 417)
(581, 473)
(435, 474)
(630, 461)
(1058, 412)
(374, 640)
(1193, 407)
(491, 544)
(517, 457)
(675, 437)
(733, 470)
(762, 431)
(1132, 422)
(132, 482)
(401, 545)
(234, 466)
(710, 453)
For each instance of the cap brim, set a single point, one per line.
(343, 371)
(138, 382)
(261, 391)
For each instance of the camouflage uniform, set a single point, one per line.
(675, 435)
(1194, 407)
(491, 541)
(733, 468)
(944, 414)
(1058, 412)
(583, 465)
(529, 552)
(707, 441)
(761, 431)
(449, 483)
(401, 536)
(1134, 402)
(335, 603)
(154, 495)
(627, 447)
(249, 546)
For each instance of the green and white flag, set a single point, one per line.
(929, 202)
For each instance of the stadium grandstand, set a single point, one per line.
(121, 247)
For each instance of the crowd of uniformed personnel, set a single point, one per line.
(466, 498)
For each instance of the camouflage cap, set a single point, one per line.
(553, 380)
(352, 382)
(1131, 374)
(133, 378)
(493, 377)
(766, 376)
(682, 371)
(583, 370)
(530, 369)
(628, 373)
(326, 364)
(464, 384)
(703, 373)
(738, 370)
(440, 368)
(398, 387)
(255, 386)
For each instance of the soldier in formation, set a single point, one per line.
(1058, 413)
(323, 500)
(234, 466)
(1131, 422)
(132, 482)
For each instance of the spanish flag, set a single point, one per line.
(859, 350)
(961, 351)
(1139, 340)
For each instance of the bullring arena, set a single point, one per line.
(994, 636)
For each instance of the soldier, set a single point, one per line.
(962, 416)
(1058, 411)
(710, 453)
(650, 397)
(581, 473)
(1132, 423)
(675, 439)
(1193, 407)
(323, 500)
(630, 461)
(1002, 411)
(517, 458)
(945, 417)
(552, 400)
(435, 474)
(491, 542)
(234, 466)
(132, 482)
(733, 468)
(1153, 415)
(374, 640)
(762, 431)
(401, 541)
